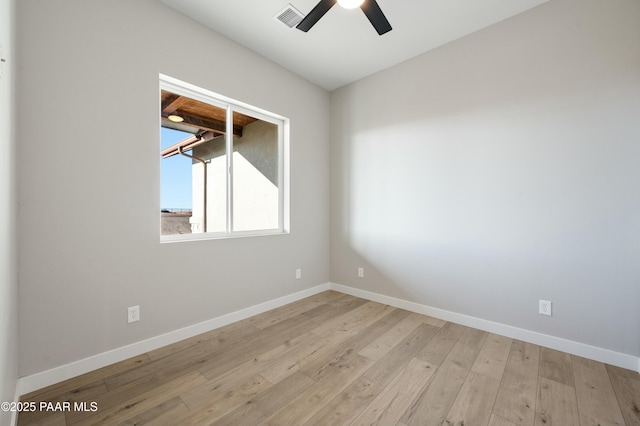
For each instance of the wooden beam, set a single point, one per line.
(205, 123)
(171, 103)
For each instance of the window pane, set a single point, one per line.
(214, 154)
(175, 184)
(255, 174)
(199, 148)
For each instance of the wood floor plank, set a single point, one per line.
(348, 404)
(345, 347)
(289, 364)
(516, 399)
(139, 403)
(382, 345)
(556, 404)
(221, 383)
(268, 339)
(395, 317)
(492, 358)
(556, 365)
(384, 370)
(164, 413)
(392, 402)
(89, 380)
(627, 390)
(50, 419)
(473, 337)
(327, 312)
(268, 402)
(179, 361)
(473, 404)
(499, 421)
(231, 332)
(118, 396)
(346, 300)
(354, 321)
(433, 404)
(260, 361)
(217, 406)
(630, 374)
(436, 322)
(597, 404)
(308, 403)
(290, 310)
(81, 393)
(438, 348)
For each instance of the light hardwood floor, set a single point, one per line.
(337, 359)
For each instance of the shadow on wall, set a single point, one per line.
(503, 163)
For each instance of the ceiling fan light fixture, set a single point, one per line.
(350, 4)
(370, 8)
(175, 118)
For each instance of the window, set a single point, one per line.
(223, 166)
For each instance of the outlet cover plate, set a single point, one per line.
(544, 307)
(133, 314)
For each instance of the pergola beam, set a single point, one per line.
(207, 124)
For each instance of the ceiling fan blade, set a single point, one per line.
(376, 17)
(316, 13)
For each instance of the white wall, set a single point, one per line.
(89, 179)
(8, 248)
(501, 169)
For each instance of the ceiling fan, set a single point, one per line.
(369, 7)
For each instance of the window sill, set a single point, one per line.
(181, 238)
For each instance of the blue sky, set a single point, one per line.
(175, 174)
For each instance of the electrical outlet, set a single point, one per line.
(298, 273)
(544, 307)
(133, 314)
(360, 272)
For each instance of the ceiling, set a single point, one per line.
(343, 46)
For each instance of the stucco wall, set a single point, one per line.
(258, 144)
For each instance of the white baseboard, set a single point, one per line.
(55, 375)
(14, 414)
(618, 359)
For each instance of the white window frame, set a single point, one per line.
(231, 105)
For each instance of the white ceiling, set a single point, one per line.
(343, 46)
